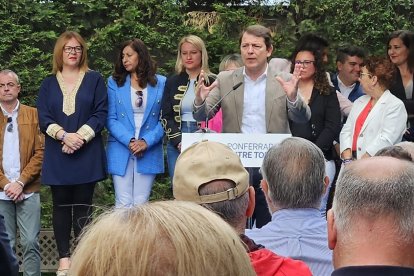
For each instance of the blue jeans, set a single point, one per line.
(172, 152)
(26, 215)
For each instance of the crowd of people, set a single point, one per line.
(339, 123)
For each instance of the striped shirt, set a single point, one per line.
(300, 234)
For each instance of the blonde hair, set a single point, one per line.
(199, 44)
(58, 51)
(232, 59)
(160, 238)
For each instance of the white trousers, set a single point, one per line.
(133, 188)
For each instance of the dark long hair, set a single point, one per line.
(407, 38)
(145, 69)
(320, 78)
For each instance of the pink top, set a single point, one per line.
(215, 123)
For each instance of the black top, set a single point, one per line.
(373, 270)
(397, 88)
(325, 123)
(174, 91)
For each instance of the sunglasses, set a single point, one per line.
(140, 99)
(10, 126)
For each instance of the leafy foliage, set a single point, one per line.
(30, 28)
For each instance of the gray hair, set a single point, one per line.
(294, 171)
(396, 152)
(232, 211)
(10, 72)
(387, 191)
(408, 146)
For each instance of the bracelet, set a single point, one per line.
(63, 136)
(20, 183)
(346, 161)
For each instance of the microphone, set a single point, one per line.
(206, 130)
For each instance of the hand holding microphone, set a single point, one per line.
(202, 90)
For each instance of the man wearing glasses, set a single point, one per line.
(260, 100)
(21, 156)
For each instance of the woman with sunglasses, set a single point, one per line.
(377, 119)
(72, 108)
(134, 149)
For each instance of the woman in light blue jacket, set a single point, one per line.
(134, 147)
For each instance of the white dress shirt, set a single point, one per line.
(345, 90)
(11, 151)
(254, 116)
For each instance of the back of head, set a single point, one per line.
(311, 41)
(395, 151)
(371, 190)
(349, 51)
(294, 171)
(218, 180)
(382, 68)
(407, 146)
(161, 238)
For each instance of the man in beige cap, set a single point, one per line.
(211, 174)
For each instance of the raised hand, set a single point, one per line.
(291, 86)
(201, 90)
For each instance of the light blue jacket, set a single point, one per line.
(121, 128)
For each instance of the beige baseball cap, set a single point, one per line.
(204, 162)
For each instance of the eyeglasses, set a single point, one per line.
(305, 63)
(140, 99)
(9, 85)
(10, 126)
(69, 49)
(364, 74)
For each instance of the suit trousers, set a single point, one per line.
(261, 215)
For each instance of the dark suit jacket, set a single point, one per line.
(277, 108)
(398, 90)
(325, 123)
(8, 262)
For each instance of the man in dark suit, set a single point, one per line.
(261, 104)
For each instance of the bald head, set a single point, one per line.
(376, 187)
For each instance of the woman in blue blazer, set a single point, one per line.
(134, 147)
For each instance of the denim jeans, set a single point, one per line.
(26, 215)
(172, 152)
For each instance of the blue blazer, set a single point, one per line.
(121, 128)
